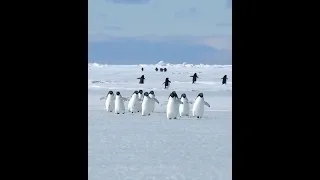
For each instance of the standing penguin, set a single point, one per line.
(141, 79)
(224, 79)
(140, 95)
(119, 104)
(165, 69)
(109, 103)
(172, 111)
(161, 69)
(194, 78)
(166, 83)
(141, 69)
(146, 104)
(134, 103)
(184, 108)
(198, 106)
(156, 69)
(152, 95)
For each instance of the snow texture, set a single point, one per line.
(134, 147)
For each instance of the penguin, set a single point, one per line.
(152, 95)
(165, 69)
(146, 104)
(119, 104)
(166, 83)
(194, 78)
(156, 69)
(141, 79)
(224, 79)
(140, 95)
(134, 103)
(184, 108)
(161, 69)
(109, 103)
(173, 102)
(141, 69)
(198, 106)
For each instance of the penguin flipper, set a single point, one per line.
(156, 100)
(102, 97)
(207, 104)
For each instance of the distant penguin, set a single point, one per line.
(134, 103)
(224, 79)
(198, 106)
(184, 108)
(194, 78)
(109, 103)
(165, 69)
(146, 104)
(156, 69)
(161, 69)
(141, 69)
(141, 79)
(166, 83)
(172, 111)
(119, 104)
(152, 95)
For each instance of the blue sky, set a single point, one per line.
(148, 31)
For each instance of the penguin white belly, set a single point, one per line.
(145, 108)
(171, 109)
(133, 104)
(184, 109)
(119, 106)
(152, 104)
(198, 108)
(109, 104)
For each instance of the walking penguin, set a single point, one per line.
(166, 83)
(194, 78)
(161, 70)
(224, 79)
(165, 69)
(156, 69)
(141, 69)
(141, 79)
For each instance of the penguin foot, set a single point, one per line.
(198, 117)
(170, 118)
(175, 118)
(118, 113)
(149, 114)
(122, 113)
(138, 111)
(132, 112)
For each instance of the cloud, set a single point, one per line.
(129, 1)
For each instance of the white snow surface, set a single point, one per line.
(134, 147)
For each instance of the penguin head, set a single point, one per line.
(183, 95)
(135, 92)
(140, 91)
(110, 92)
(151, 92)
(118, 93)
(146, 94)
(200, 95)
(172, 95)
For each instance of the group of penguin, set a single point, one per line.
(145, 103)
